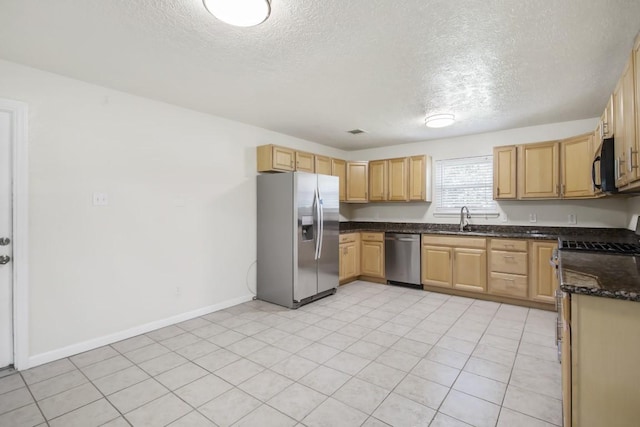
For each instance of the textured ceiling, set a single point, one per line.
(316, 69)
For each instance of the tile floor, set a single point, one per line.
(371, 355)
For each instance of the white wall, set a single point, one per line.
(179, 233)
(590, 213)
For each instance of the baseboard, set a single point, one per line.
(70, 350)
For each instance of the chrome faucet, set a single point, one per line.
(464, 222)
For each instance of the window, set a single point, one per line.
(465, 182)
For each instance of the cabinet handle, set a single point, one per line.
(558, 189)
(604, 130)
(507, 256)
(631, 167)
(562, 190)
(498, 191)
(291, 163)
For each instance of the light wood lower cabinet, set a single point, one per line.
(454, 262)
(437, 266)
(543, 280)
(470, 269)
(372, 258)
(349, 256)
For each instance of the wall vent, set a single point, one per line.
(356, 131)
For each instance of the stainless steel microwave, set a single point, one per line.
(603, 169)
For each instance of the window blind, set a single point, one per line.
(465, 182)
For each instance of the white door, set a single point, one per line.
(6, 235)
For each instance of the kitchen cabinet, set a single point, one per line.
(603, 375)
(305, 162)
(420, 178)
(538, 176)
(398, 180)
(378, 180)
(323, 165)
(349, 256)
(274, 158)
(454, 262)
(339, 169)
(625, 127)
(504, 172)
(576, 156)
(372, 255)
(508, 261)
(357, 182)
(543, 279)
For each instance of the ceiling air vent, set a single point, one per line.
(356, 131)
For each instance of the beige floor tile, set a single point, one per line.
(148, 352)
(338, 340)
(225, 338)
(457, 345)
(382, 375)
(268, 356)
(494, 354)
(265, 385)
(229, 407)
(400, 411)
(325, 380)
(447, 357)
(90, 357)
(26, 416)
(292, 343)
(181, 375)
(197, 349)
(488, 369)
(423, 391)
(534, 404)
(297, 401)
(436, 372)
(11, 382)
(180, 341)
(541, 384)
(442, 420)
(410, 346)
(538, 351)
(195, 323)
(318, 353)
(361, 395)
(93, 414)
(294, 367)
(271, 335)
(313, 333)
(69, 400)
(55, 385)
(398, 360)
(159, 412)
(133, 343)
(246, 346)
(165, 333)
(120, 380)
(500, 342)
(46, 371)
(216, 360)
(193, 419)
(137, 395)
(203, 390)
(106, 367)
(482, 387)
(374, 422)
(469, 409)
(266, 416)
(239, 371)
(365, 349)
(162, 363)
(118, 422)
(509, 418)
(332, 413)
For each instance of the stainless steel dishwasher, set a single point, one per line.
(402, 258)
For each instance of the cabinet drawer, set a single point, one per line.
(373, 237)
(509, 262)
(511, 285)
(349, 237)
(509, 245)
(458, 242)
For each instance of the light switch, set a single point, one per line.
(100, 199)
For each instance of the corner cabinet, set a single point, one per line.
(357, 182)
(504, 172)
(543, 277)
(372, 250)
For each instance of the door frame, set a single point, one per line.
(20, 192)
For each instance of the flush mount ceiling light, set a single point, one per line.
(241, 13)
(439, 120)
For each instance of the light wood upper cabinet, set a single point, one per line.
(606, 126)
(323, 165)
(576, 157)
(339, 169)
(372, 250)
(437, 266)
(636, 72)
(470, 269)
(273, 158)
(357, 182)
(538, 175)
(378, 180)
(504, 172)
(398, 181)
(543, 280)
(305, 162)
(625, 127)
(420, 178)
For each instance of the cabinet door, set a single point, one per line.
(351, 260)
(357, 182)
(538, 176)
(437, 265)
(620, 119)
(398, 187)
(543, 279)
(576, 158)
(323, 165)
(629, 113)
(470, 269)
(636, 72)
(342, 262)
(339, 169)
(504, 172)
(372, 261)
(283, 158)
(305, 162)
(419, 174)
(378, 180)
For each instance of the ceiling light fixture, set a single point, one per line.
(439, 120)
(241, 13)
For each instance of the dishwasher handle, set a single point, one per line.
(402, 238)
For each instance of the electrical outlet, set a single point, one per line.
(178, 291)
(504, 218)
(572, 219)
(100, 199)
(533, 217)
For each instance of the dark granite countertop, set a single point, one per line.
(500, 231)
(597, 274)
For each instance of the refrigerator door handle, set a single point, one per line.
(316, 200)
(321, 224)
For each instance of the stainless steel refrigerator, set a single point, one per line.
(298, 237)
